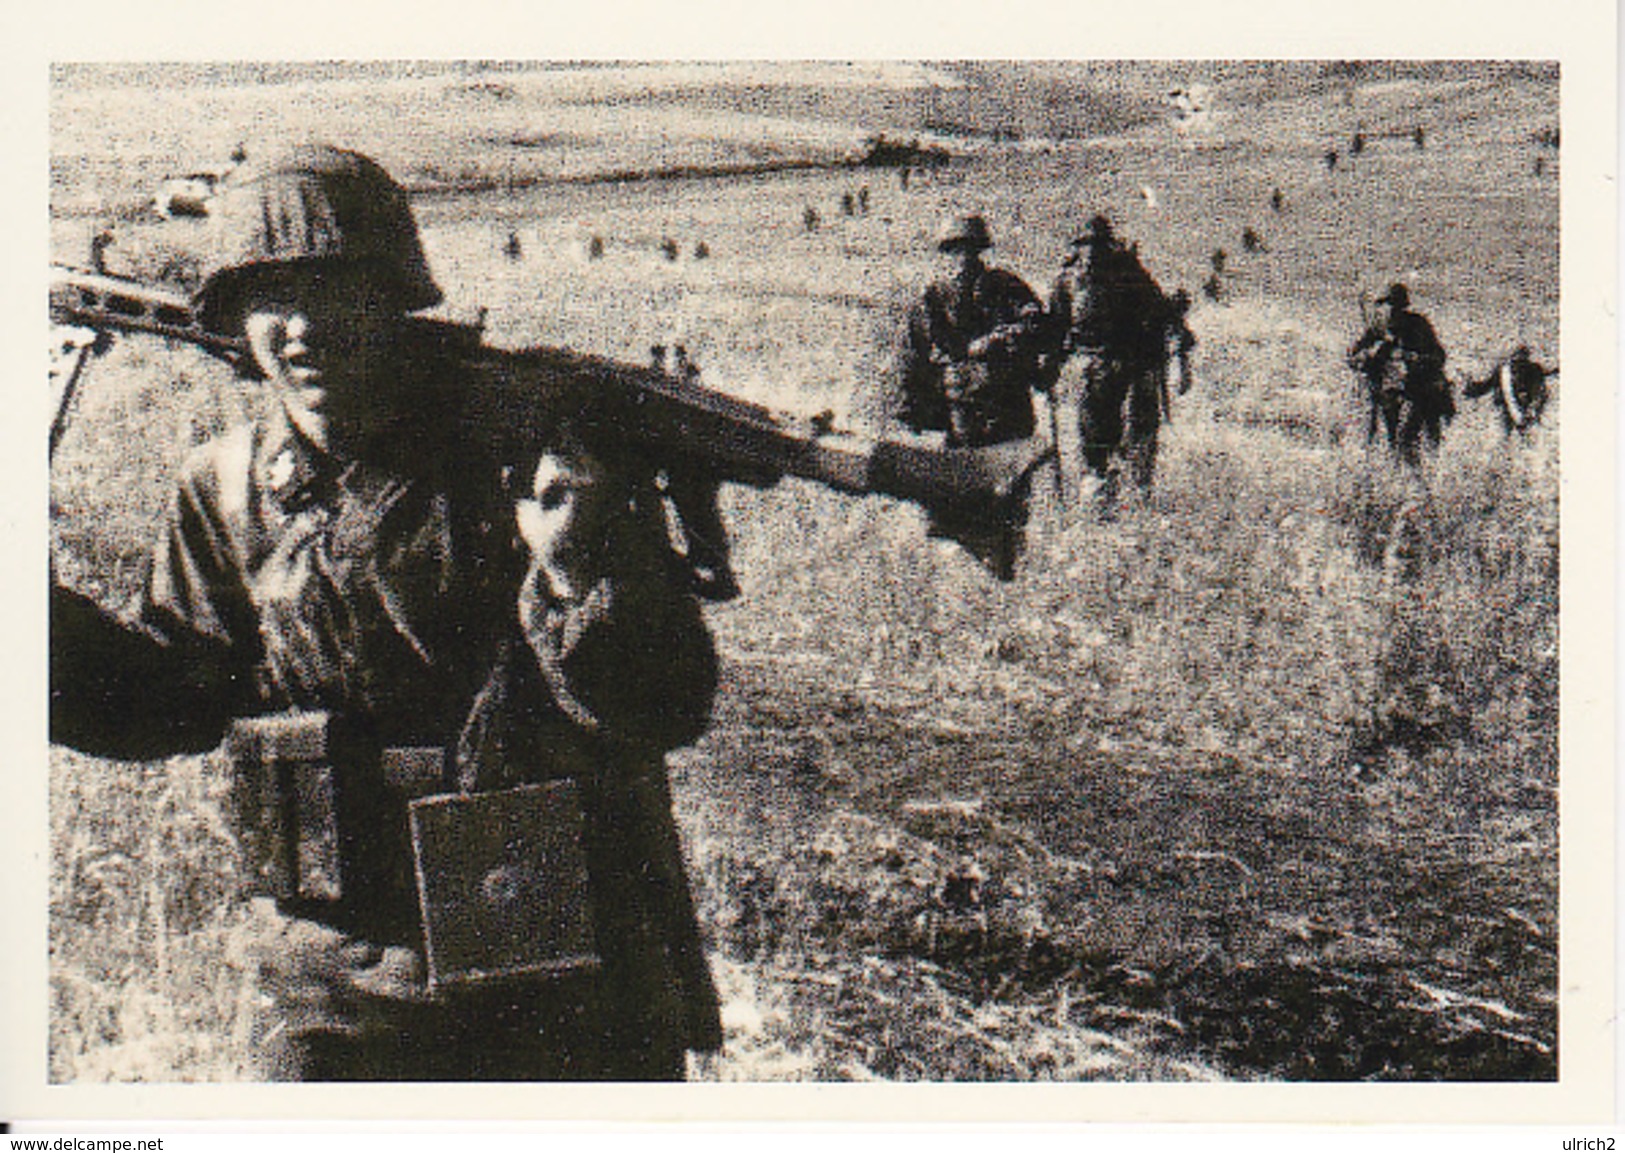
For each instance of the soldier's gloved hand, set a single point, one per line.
(564, 523)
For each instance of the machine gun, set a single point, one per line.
(516, 397)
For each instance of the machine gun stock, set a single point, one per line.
(515, 397)
(113, 303)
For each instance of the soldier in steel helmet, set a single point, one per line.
(1113, 333)
(460, 624)
(970, 355)
(1401, 363)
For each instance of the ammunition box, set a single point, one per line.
(502, 885)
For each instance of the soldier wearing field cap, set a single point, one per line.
(1401, 363)
(970, 355)
(967, 368)
(377, 614)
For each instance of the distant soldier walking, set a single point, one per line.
(971, 354)
(1112, 331)
(970, 361)
(1401, 362)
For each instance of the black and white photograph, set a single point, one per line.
(903, 570)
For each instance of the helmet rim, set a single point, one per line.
(310, 206)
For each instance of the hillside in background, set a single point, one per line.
(119, 130)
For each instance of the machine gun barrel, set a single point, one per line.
(514, 398)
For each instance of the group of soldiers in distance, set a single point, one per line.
(980, 344)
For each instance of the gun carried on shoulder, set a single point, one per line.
(516, 396)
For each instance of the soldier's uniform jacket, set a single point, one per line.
(1107, 306)
(1403, 354)
(977, 400)
(385, 592)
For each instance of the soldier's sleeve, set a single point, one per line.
(168, 684)
(196, 590)
(1052, 330)
(1429, 351)
(1176, 314)
(1058, 319)
(1360, 352)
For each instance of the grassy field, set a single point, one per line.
(1258, 781)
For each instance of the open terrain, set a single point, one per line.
(1258, 781)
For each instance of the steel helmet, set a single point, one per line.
(964, 232)
(313, 204)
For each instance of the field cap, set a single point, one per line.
(1097, 231)
(1397, 295)
(968, 232)
(313, 204)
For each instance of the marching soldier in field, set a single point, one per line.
(1401, 362)
(970, 362)
(971, 354)
(1113, 331)
(343, 582)
(1519, 386)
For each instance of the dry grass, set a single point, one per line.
(1274, 788)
